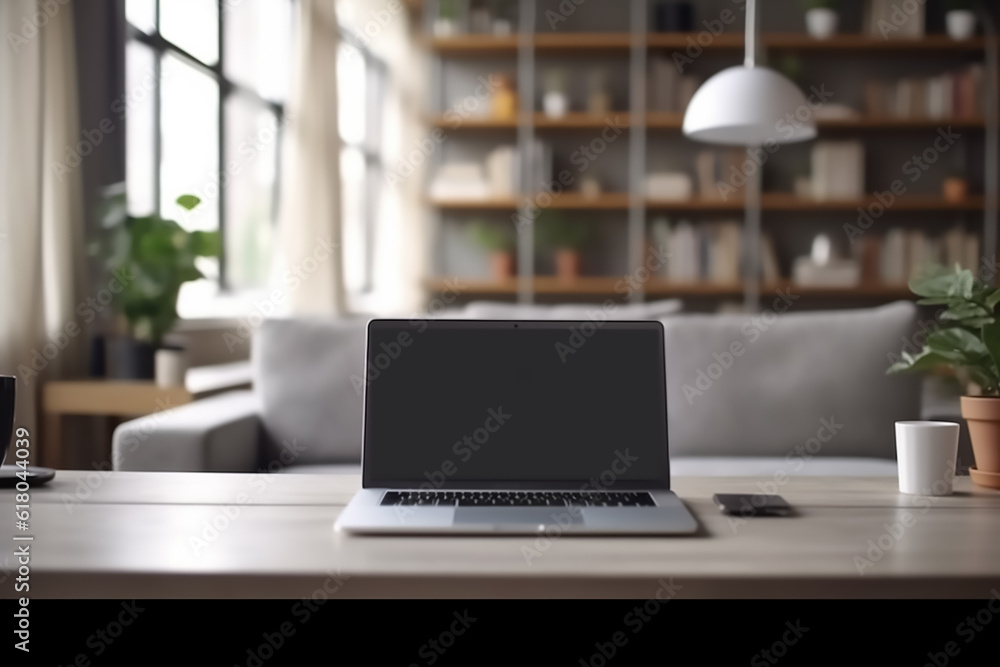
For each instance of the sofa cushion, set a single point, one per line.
(500, 310)
(309, 374)
(810, 383)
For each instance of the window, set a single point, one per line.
(361, 78)
(206, 82)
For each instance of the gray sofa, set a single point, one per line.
(804, 393)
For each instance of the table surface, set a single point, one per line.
(206, 535)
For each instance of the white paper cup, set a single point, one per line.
(925, 455)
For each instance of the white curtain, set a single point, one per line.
(41, 215)
(310, 194)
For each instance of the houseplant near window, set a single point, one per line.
(498, 240)
(821, 18)
(567, 238)
(967, 341)
(151, 257)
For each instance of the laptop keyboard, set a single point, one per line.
(521, 498)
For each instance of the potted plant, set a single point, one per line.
(151, 257)
(968, 341)
(955, 187)
(960, 19)
(821, 18)
(566, 238)
(446, 22)
(498, 240)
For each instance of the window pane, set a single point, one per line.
(258, 46)
(140, 133)
(354, 232)
(190, 144)
(252, 139)
(351, 94)
(141, 14)
(193, 25)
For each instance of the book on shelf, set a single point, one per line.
(460, 180)
(895, 19)
(668, 90)
(503, 171)
(499, 175)
(959, 94)
(838, 170)
(722, 174)
(710, 252)
(904, 253)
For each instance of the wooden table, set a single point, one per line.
(126, 398)
(204, 535)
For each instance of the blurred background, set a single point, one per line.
(173, 172)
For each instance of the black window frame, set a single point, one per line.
(161, 46)
(370, 147)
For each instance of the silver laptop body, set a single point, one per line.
(515, 427)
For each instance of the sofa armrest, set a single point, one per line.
(217, 434)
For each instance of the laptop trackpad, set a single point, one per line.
(518, 515)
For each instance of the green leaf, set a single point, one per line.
(976, 322)
(934, 286)
(964, 284)
(938, 301)
(992, 299)
(991, 339)
(924, 361)
(188, 202)
(963, 310)
(204, 244)
(950, 341)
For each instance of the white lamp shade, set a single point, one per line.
(749, 106)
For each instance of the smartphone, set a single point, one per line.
(751, 504)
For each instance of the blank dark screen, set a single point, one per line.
(449, 403)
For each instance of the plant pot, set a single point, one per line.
(171, 366)
(961, 23)
(130, 359)
(983, 416)
(955, 189)
(555, 105)
(567, 264)
(502, 265)
(821, 23)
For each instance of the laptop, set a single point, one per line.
(515, 427)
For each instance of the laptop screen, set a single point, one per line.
(451, 404)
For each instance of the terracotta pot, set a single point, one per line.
(983, 417)
(955, 189)
(567, 264)
(502, 264)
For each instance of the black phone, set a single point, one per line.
(752, 504)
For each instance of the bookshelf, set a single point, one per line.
(660, 120)
(603, 286)
(769, 202)
(622, 204)
(475, 44)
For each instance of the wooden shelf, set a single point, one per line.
(887, 123)
(472, 44)
(565, 200)
(610, 285)
(660, 120)
(583, 120)
(776, 201)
